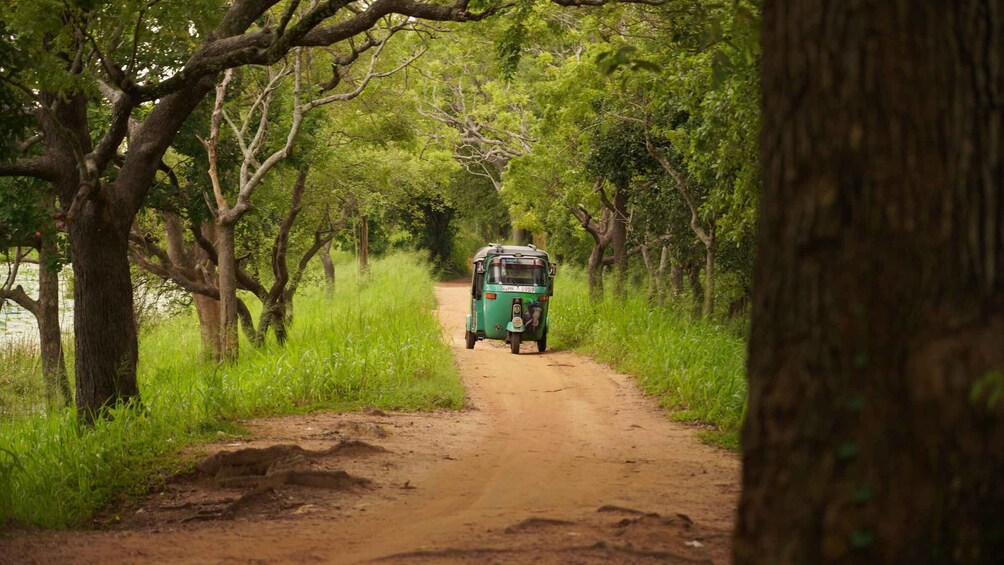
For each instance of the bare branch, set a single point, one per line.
(214, 136)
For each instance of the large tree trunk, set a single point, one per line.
(104, 325)
(227, 269)
(57, 384)
(877, 343)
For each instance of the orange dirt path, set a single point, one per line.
(559, 460)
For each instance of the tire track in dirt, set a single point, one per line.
(559, 460)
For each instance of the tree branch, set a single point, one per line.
(41, 167)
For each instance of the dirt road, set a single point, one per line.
(559, 460)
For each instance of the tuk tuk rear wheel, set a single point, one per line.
(514, 343)
(542, 342)
(471, 338)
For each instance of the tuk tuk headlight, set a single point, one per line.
(517, 322)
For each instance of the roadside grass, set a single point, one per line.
(696, 368)
(20, 380)
(22, 392)
(375, 342)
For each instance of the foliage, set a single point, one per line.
(375, 343)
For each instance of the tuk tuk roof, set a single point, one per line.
(511, 250)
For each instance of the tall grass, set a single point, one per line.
(375, 343)
(20, 379)
(696, 368)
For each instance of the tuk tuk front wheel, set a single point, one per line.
(514, 343)
(471, 339)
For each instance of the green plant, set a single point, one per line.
(696, 368)
(375, 343)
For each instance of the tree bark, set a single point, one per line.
(877, 343)
(104, 325)
(676, 279)
(207, 310)
(227, 283)
(596, 272)
(602, 234)
(329, 269)
(57, 384)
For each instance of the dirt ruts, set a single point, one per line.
(558, 460)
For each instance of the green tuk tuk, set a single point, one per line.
(510, 291)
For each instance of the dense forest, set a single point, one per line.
(822, 181)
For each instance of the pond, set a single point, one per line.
(17, 325)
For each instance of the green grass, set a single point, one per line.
(21, 392)
(696, 368)
(376, 342)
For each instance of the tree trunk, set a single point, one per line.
(676, 279)
(709, 274)
(873, 433)
(694, 278)
(195, 259)
(619, 241)
(656, 274)
(227, 269)
(364, 244)
(520, 236)
(104, 325)
(208, 312)
(281, 319)
(601, 234)
(660, 275)
(57, 384)
(596, 273)
(329, 269)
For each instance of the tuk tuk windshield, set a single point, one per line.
(517, 272)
